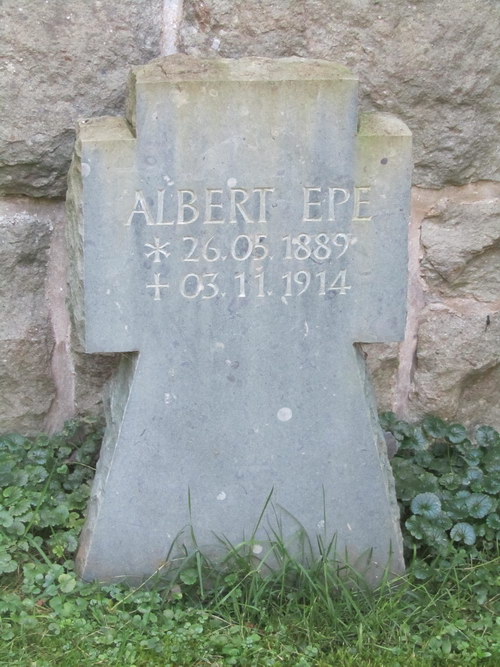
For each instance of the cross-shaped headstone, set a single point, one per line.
(240, 233)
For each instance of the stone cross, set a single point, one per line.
(236, 237)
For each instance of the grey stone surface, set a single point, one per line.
(26, 385)
(242, 244)
(61, 61)
(432, 63)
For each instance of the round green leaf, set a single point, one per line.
(414, 527)
(473, 474)
(473, 456)
(423, 458)
(426, 504)
(66, 582)
(486, 436)
(450, 481)
(417, 440)
(388, 420)
(493, 521)
(12, 494)
(435, 427)
(456, 433)
(456, 509)
(479, 505)
(17, 527)
(434, 535)
(421, 570)
(189, 576)
(411, 479)
(38, 455)
(481, 530)
(15, 441)
(7, 563)
(463, 532)
(491, 484)
(60, 514)
(22, 478)
(442, 521)
(491, 461)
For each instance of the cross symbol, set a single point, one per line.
(157, 286)
(157, 249)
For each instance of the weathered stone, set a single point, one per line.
(448, 363)
(25, 381)
(92, 374)
(457, 371)
(62, 61)
(434, 64)
(26, 384)
(461, 241)
(242, 239)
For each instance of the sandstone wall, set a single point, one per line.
(433, 63)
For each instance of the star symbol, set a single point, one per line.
(157, 250)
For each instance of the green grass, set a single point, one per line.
(444, 612)
(295, 617)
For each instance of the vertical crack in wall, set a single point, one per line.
(421, 201)
(63, 406)
(171, 16)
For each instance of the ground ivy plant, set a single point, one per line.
(448, 484)
(44, 487)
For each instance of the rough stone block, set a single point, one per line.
(457, 371)
(62, 61)
(26, 342)
(461, 242)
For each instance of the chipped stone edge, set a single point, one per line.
(115, 404)
(182, 67)
(74, 243)
(396, 563)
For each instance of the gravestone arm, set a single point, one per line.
(379, 224)
(102, 272)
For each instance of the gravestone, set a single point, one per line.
(236, 237)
